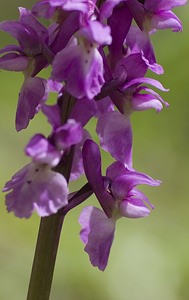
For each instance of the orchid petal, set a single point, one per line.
(97, 234)
(31, 95)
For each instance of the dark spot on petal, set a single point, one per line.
(141, 1)
(86, 61)
(29, 181)
(36, 170)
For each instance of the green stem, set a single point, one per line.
(50, 230)
(45, 257)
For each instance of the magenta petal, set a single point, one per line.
(41, 151)
(72, 5)
(124, 183)
(83, 110)
(145, 80)
(137, 194)
(15, 29)
(68, 134)
(142, 102)
(52, 112)
(24, 34)
(134, 208)
(13, 62)
(54, 86)
(31, 95)
(77, 165)
(51, 194)
(107, 8)
(153, 93)
(124, 180)
(115, 170)
(166, 19)
(132, 66)
(97, 234)
(139, 42)
(156, 5)
(43, 9)
(121, 18)
(28, 19)
(92, 167)
(11, 48)
(60, 35)
(114, 130)
(103, 106)
(91, 33)
(16, 178)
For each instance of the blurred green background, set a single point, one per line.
(150, 257)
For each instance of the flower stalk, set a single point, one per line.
(45, 257)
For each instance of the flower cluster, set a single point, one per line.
(99, 53)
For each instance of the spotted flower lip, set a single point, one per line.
(85, 63)
(86, 59)
(36, 187)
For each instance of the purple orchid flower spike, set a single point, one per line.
(118, 197)
(37, 186)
